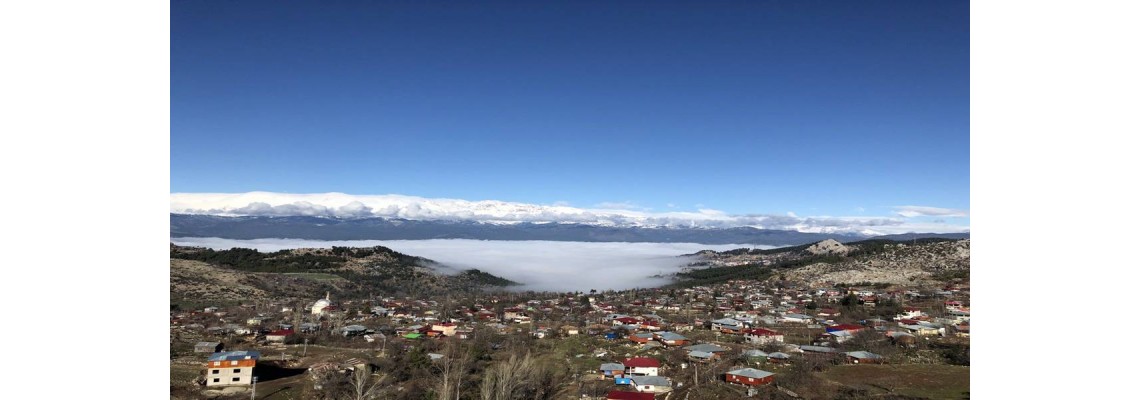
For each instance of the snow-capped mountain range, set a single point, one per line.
(342, 206)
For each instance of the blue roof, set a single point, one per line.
(235, 355)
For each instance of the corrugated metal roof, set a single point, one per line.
(818, 349)
(700, 354)
(750, 373)
(611, 367)
(755, 353)
(711, 348)
(650, 381)
(863, 354)
(235, 355)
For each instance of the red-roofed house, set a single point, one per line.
(626, 321)
(642, 366)
(620, 395)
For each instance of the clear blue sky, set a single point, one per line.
(821, 108)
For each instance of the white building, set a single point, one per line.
(319, 306)
(231, 368)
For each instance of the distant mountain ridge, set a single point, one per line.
(327, 228)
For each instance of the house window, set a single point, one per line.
(234, 362)
(237, 370)
(236, 379)
(215, 372)
(216, 380)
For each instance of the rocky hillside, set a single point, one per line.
(201, 273)
(899, 263)
(829, 246)
(869, 261)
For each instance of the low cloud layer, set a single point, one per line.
(340, 205)
(540, 265)
(923, 211)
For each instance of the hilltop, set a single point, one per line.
(238, 273)
(870, 261)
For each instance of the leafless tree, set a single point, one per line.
(363, 385)
(451, 369)
(525, 378)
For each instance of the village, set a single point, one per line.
(741, 338)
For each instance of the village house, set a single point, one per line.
(620, 395)
(464, 333)
(514, 313)
(763, 336)
(231, 368)
(651, 384)
(749, 377)
(864, 357)
(779, 357)
(208, 347)
(641, 337)
(671, 339)
(278, 336)
(902, 338)
(706, 347)
(796, 318)
(611, 370)
(910, 313)
(353, 330)
(447, 328)
(641, 366)
(308, 327)
(754, 356)
(727, 325)
(701, 356)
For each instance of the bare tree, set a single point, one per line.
(363, 385)
(450, 370)
(525, 378)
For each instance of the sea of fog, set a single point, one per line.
(539, 265)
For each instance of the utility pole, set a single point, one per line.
(694, 374)
(305, 350)
(253, 393)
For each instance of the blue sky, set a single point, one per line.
(818, 108)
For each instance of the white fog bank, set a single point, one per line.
(539, 265)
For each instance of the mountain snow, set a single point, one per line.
(341, 205)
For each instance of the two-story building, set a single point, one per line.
(231, 368)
